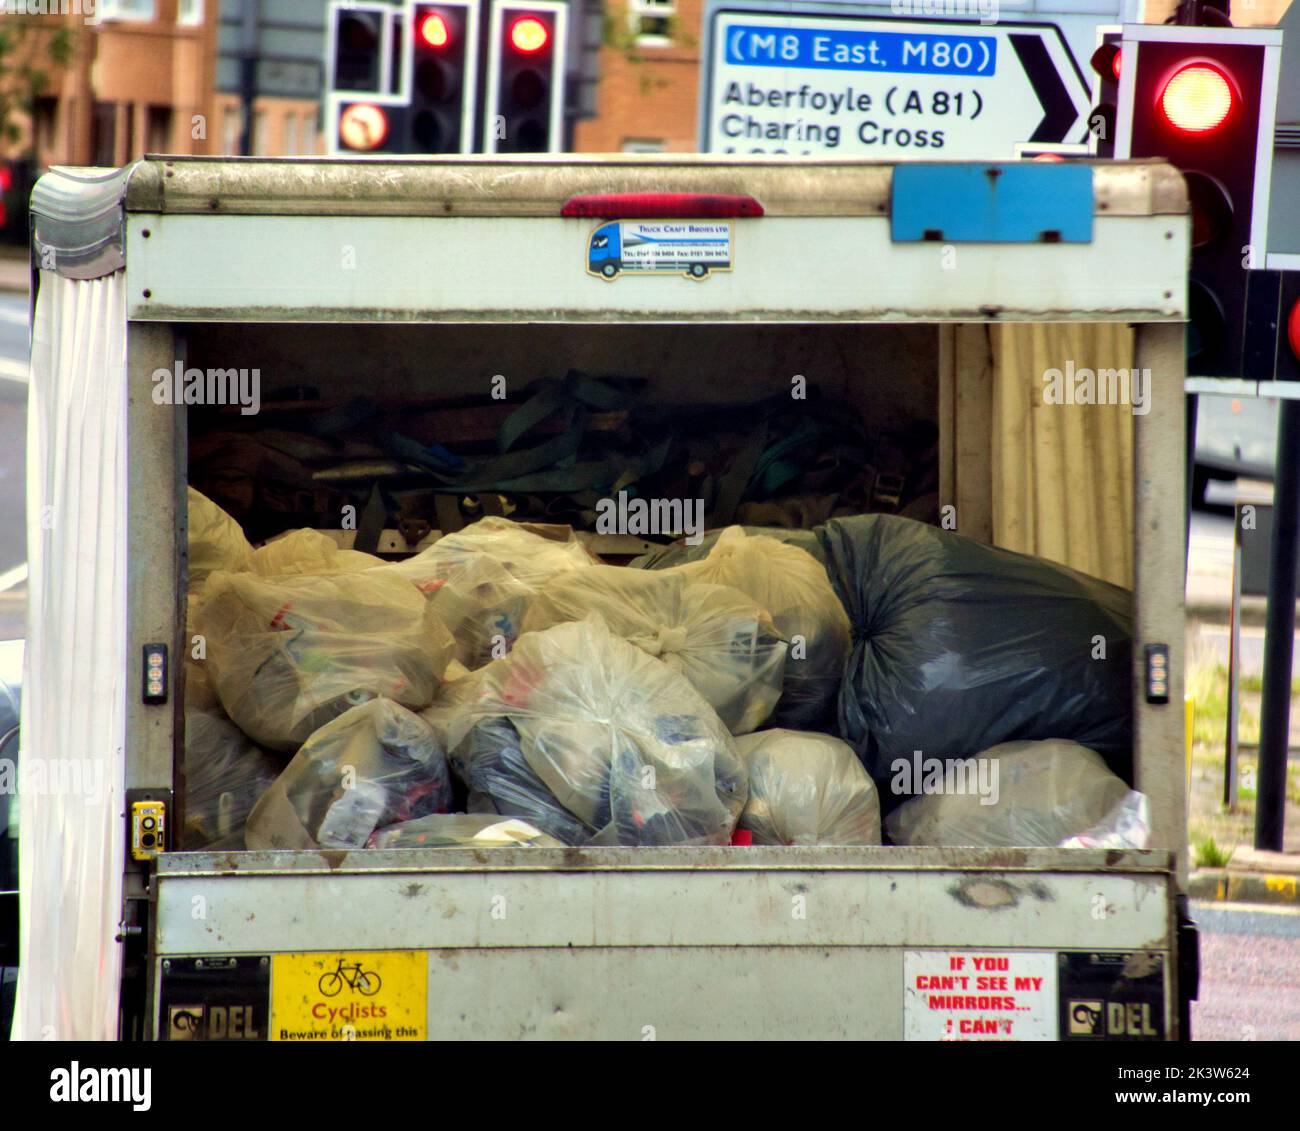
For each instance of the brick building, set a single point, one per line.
(138, 78)
(647, 95)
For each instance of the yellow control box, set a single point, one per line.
(148, 829)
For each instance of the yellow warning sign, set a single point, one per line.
(364, 995)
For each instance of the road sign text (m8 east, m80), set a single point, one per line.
(889, 88)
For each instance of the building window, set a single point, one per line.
(309, 134)
(103, 134)
(128, 132)
(159, 129)
(261, 134)
(44, 118)
(124, 10)
(232, 125)
(652, 21)
(190, 13)
(291, 135)
(642, 145)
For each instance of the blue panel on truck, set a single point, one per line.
(976, 203)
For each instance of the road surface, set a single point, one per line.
(1250, 973)
(13, 448)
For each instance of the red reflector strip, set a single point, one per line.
(660, 205)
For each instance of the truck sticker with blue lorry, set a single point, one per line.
(694, 248)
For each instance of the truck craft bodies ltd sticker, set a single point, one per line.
(694, 248)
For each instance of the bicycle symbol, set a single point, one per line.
(365, 982)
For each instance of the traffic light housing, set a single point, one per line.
(1204, 99)
(440, 119)
(419, 63)
(359, 38)
(525, 104)
(1106, 68)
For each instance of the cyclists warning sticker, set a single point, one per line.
(979, 995)
(363, 995)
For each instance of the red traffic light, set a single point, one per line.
(434, 31)
(529, 35)
(1197, 99)
(1293, 330)
(363, 126)
(1105, 61)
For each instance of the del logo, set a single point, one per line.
(213, 1023)
(1091, 1017)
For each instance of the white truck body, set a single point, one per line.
(357, 274)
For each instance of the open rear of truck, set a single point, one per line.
(427, 278)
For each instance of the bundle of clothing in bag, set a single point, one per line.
(505, 688)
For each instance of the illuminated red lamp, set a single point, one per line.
(434, 31)
(1197, 99)
(528, 35)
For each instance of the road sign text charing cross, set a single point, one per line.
(882, 87)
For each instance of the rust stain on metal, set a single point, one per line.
(412, 890)
(1141, 964)
(334, 857)
(985, 894)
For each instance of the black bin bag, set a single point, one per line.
(958, 646)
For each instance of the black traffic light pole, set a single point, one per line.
(1202, 13)
(1279, 639)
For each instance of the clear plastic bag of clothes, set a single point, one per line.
(482, 579)
(308, 552)
(600, 734)
(1128, 825)
(807, 788)
(216, 541)
(793, 587)
(680, 552)
(225, 774)
(723, 642)
(958, 646)
(289, 654)
(491, 762)
(376, 765)
(463, 830)
(1024, 794)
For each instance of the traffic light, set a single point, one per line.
(359, 36)
(441, 97)
(525, 111)
(1105, 97)
(1204, 99)
(364, 61)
